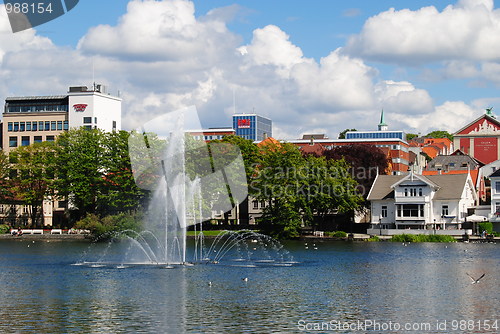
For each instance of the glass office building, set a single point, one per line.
(252, 126)
(375, 135)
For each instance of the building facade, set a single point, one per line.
(480, 138)
(31, 119)
(252, 126)
(434, 203)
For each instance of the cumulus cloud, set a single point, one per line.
(162, 57)
(468, 30)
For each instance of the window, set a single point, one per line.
(59, 126)
(28, 126)
(87, 120)
(66, 125)
(12, 141)
(406, 192)
(114, 125)
(50, 138)
(35, 126)
(95, 120)
(37, 139)
(87, 127)
(444, 210)
(22, 126)
(47, 126)
(10, 127)
(384, 211)
(419, 191)
(255, 204)
(25, 141)
(410, 210)
(40, 126)
(53, 125)
(16, 126)
(262, 204)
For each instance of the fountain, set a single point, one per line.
(189, 182)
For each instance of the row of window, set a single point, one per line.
(37, 126)
(412, 210)
(37, 108)
(212, 137)
(256, 204)
(374, 135)
(26, 140)
(413, 192)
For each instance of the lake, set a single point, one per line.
(335, 287)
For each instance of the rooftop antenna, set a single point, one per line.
(234, 101)
(93, 75)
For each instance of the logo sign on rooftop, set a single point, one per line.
(79, 107)
(26, 14)
(244, 123)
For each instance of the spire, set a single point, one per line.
(382, 125)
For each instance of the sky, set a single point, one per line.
(311, 66)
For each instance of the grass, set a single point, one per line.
(422, 238)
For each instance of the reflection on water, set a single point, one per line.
(42, 291)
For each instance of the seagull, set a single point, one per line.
(475, 281)
(209, 283)
(245, 279)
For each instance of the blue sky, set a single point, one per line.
(310, 66)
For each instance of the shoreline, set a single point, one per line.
(45, 237)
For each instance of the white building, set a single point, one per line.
(420, 204)
(494, 215)
(31, 119)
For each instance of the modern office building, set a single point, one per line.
(252, 126)
(31, 119)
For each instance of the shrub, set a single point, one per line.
(373, 238)
(422, 238)
(4, 229)
(109, 225)
(486, 226)
(337, 234)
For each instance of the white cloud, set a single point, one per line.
(469, 30)
(161, 57)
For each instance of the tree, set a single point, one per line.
(299, 188)
(343, 133)
(94, 172)
(4, 175)
(440, 134)
(34, 180)
(410, 136)
(81, 169)
(119, 191)
(365, 162)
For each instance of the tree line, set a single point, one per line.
(91, 170)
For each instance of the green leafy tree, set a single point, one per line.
(81, 168)
(4, 175)
(119, 191)
(343, 133)
(440, 134)
(34, 180)
(410, 136)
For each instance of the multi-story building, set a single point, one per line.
(31, 119)
(392, 143)
(211, 133)
(252, 126)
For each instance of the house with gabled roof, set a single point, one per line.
(414, 203)
(480, 138)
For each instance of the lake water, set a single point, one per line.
(423, 286)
